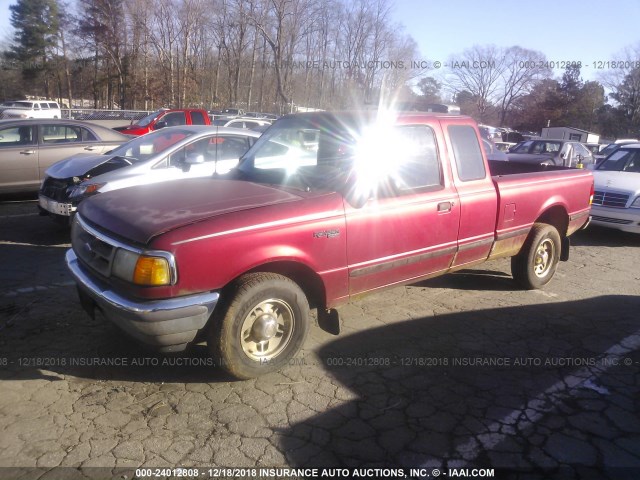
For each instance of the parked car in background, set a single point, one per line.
(166, 118)
(31, 109)
(233, 112)
(551, 152)
(616, 200)
(504, 146)
(241, 122)
(493, 152)
(610, 148)
(29, 147)
(168, 154)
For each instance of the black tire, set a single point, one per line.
(537, 262)
(262, 323)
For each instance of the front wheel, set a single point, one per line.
(537, 262)
(261, 325)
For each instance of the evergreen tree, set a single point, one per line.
(36, 23)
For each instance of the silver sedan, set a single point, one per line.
(29, 147)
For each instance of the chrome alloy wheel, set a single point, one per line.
(267, 329)
(543, 259)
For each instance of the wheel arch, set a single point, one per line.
(556, 216)
(304, 276)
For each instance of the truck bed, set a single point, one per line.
(531, 192)
(500, 168)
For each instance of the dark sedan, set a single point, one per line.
(29, 147)
(551, 152)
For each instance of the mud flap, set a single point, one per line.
(564, 251)
(329, 320)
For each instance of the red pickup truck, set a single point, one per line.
(166, 118)
(323, 208)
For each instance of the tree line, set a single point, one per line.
(256, 54)
(269, 55)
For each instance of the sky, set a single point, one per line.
(573, 30)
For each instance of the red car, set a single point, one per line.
(166, 118)
(323, 208)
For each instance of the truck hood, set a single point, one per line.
(77, 166)
(134, 130)
(605, 179)
(144, 212)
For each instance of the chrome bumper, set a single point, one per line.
(167, 325)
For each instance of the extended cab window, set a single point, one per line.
(467, 153)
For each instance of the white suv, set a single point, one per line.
(32, 109)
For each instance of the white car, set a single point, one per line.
(241, 122)
(32, 109)
(170, 153)
(616, 201)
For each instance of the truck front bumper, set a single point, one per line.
(167, 325)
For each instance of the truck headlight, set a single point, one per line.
(142, 269)
(636, 203)
(85, 190)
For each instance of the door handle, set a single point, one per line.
(91, 149)
(445, 206)
(27, 152)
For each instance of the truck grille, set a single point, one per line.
(93, 251)
(56, 189)
(609, 199)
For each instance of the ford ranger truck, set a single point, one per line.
(323, 208)
(166, 118)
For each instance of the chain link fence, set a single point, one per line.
(92, 114)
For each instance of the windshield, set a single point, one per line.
(23, 104)
(148, 119)
(142, 148)
(325, 151)
(623, 160)
(609, 149)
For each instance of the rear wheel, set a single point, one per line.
(537, 262)
(262, 325)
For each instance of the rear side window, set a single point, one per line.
(466, 152)
(197, 118)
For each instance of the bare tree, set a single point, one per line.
(523, 69)
(478, 70)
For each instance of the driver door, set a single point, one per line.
(409, 228)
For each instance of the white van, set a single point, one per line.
(32, 109)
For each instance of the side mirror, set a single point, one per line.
(160, 124)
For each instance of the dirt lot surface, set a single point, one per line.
(460, 372)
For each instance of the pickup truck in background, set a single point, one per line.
(166, 118)
(325, 207)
